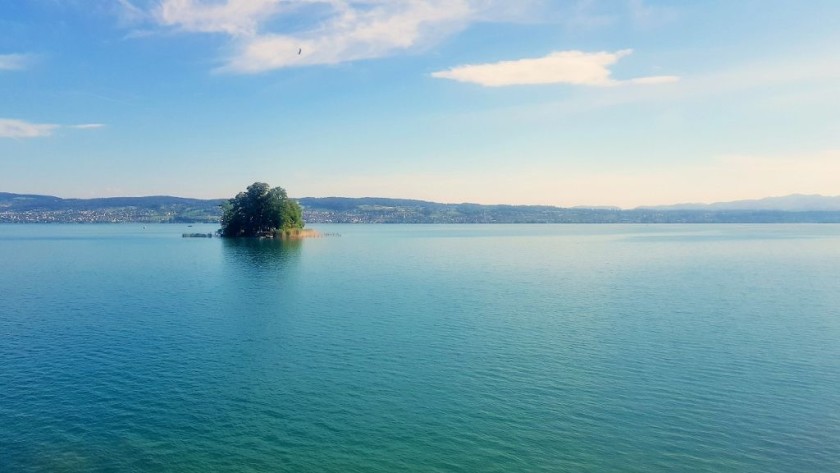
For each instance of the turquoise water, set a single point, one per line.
(421, 348)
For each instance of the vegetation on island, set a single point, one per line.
(261, 211)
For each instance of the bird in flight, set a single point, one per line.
(299, 51)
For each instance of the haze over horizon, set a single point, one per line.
(600, 103)
(792, 202)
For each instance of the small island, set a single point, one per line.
(263, 212)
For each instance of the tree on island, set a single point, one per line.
(259, 211)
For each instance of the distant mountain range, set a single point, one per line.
(27, 208)
(788, 203)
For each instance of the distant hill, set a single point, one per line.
(44, 208)
(30, 201)
(24, 208)
(383, 210)
(788, 203)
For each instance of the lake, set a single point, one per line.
(421, 348)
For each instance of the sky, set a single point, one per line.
(553, 102)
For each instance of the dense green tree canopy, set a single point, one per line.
(260, 210)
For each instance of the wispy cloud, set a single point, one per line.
(13, 128)
(87, 126)
(14, 62)
(598, 14)
(561, 67)
(233, 17)
(274, 34)
(128, 13)
(648, 16)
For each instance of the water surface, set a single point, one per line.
(421, 348)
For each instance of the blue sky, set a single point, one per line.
(579, 102)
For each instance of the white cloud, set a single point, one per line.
(14, 62)
(327, 31)
(273, 34)
(13, 128)
(815, 77)
(560, 67)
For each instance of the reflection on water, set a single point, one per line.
(261, 254)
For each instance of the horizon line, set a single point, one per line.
(584, 206)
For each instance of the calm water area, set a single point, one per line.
(390, 348)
